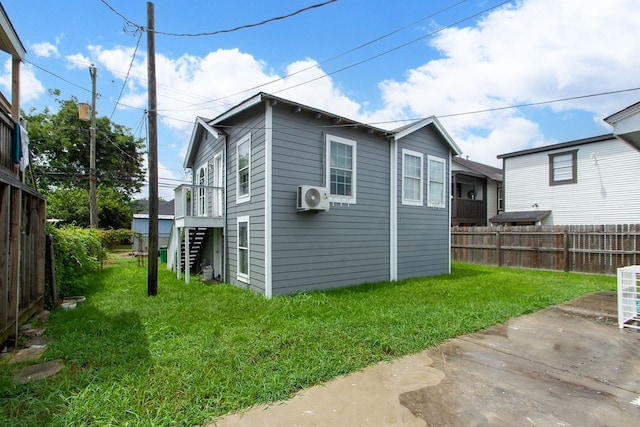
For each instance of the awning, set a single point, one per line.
(519, 217)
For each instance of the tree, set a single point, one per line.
(71, 204)
(59, 143)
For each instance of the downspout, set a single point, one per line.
(449, 198)
(268, 201)
(224, 211)
(393, 211)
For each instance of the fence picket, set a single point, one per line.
(580, 248)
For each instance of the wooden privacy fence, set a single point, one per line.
(22, 254)
(580, 248)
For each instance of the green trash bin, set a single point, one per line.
(163, 254)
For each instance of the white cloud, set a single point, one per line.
(45, 50)
(30, 87)
(527, 52)
(535, 51)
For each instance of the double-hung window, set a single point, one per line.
(201, 203)
(412, 178)
(436, 172)
(341, 169)
(243, 160)
(563, 168)
(243, 249)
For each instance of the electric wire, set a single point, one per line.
(124, 82)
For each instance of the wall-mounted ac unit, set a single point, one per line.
(312, 198)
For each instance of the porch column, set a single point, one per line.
(179, 254)
(187, 257)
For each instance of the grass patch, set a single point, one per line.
(199, 351)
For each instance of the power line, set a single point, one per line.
(317, 65)
(124, 82)
(395, 48)
(243, 27)
(213, 33)
(533, 104)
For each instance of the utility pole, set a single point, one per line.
(152, 275)
(93, 207)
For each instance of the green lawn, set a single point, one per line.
(198, 351)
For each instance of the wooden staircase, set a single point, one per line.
(196, 239)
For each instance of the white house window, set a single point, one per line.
(436, 168)
(563, 168)
(201, 202)
(412, 178)
(500, 199)
(243, 249)
(341, 169)
(243, 159)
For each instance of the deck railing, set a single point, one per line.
(199, 201)
(6, 138)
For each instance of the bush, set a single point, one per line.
(78, 251)
(113, 238)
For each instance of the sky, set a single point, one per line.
(500, 76)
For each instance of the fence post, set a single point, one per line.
(565, 241)
(498, 252)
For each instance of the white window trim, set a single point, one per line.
(241, 276)
(201, 195)
(413, 202)
(444, 182)
(243, 198)
(337, 198)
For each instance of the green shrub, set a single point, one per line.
(78, 252)
(113, 238)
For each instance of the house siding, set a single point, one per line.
(254, 208)
(423, 232)
(347, 245)
(607, 173)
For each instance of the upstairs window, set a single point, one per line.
(563, 168)
(412, 178)
(202, 193)
(436, 169)
(243, 159)
(341, 169)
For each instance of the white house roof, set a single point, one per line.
(626, 124)
(562, 145)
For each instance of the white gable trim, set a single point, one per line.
(426, 122)
(199, 125)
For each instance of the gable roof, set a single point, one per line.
(479, 168)
(626, 124)
(561, 145)
(429, 121)
(202, 125)
(198, 129)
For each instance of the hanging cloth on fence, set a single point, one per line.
(24, 142)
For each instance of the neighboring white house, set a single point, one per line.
(587, 181)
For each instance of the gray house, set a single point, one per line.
(287, 198)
